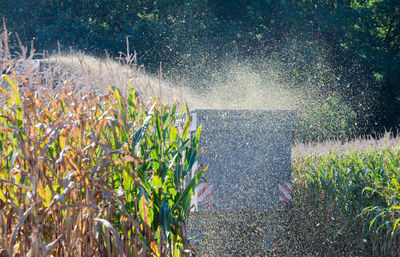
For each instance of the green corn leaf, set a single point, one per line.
(186, 196)
(164, 214)
(140, 132)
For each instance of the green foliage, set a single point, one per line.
(94, 175)
(330, 119)
(351, 200)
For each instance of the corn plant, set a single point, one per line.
(102, 175)
(353, 198)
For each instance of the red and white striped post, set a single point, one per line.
(285, 194)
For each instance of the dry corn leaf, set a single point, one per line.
(6, 129)
(3, 90)
(101, 125)
(126, 159)
(153, 246)
(41, 189)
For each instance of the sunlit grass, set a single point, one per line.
(120, 72)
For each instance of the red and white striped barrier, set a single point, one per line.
(285, 192)
(204, 195)
(204, 192)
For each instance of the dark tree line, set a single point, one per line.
(359, 40)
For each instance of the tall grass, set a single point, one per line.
(90, 174)
(349, 200)
(47, 72)
(87, 71)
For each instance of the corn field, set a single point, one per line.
(98, 175)
(349, 201)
